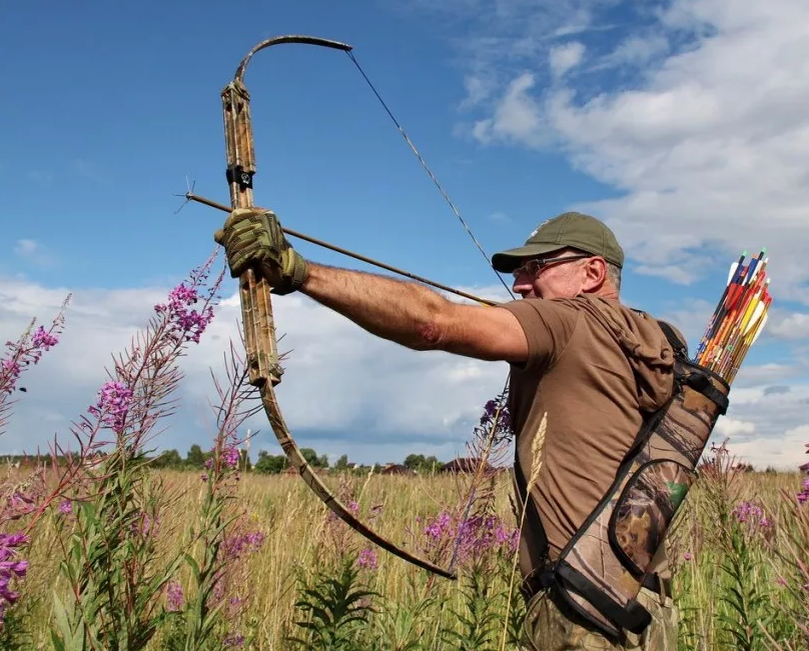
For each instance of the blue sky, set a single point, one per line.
(678, 122)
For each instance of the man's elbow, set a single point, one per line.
(430, 336)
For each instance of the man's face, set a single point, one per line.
(559, 274)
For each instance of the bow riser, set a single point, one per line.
(254, 292)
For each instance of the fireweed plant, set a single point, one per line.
(112, 564)
(338, 605)
(729, 576)
(220, 588)
(793, 554)
(19, 498)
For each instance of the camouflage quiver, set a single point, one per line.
(603, 567)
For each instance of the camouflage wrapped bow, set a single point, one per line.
(254, 291)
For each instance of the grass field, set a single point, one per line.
(723, 588)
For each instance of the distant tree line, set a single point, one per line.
(273, 464)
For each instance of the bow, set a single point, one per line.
(255, 298)
(256, 306)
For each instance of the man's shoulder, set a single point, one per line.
(621, 319)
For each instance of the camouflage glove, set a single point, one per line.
(253, 238)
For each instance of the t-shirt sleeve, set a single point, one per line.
(548, 325)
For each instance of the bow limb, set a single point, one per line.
(256, 304)
(314, 482)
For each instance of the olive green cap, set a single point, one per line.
(570, 229)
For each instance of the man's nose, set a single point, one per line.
(521, 287)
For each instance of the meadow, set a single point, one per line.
(100, 550)
(736, 584)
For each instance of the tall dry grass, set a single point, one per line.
(301, 539)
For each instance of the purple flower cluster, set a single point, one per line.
(114, 400)
(500, 421)
(803, 495)
(144, 526)
(230, 456)
(234, 639)
(233, 576)
(752, 513)
(368, 559)
(18, 505)
(43, 340)
(11, 569)
(175, 599)
(25, 352)
(186, 324)
(474, 538)
(236, 546)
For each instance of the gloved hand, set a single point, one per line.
(253, 238)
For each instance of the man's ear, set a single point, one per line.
(595, 273)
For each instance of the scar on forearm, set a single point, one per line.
(430, 334)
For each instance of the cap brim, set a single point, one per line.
(507, 261)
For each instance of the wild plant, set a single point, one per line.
(792, 556)
(744, 596)
(219, 590)
(111, 562)
(336, 608)
(22, 501)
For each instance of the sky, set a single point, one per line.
(682, 124)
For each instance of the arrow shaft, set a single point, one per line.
(357, 256)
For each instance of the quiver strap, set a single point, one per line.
(603, 567)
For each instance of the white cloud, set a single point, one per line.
(25, 247)
(478, 88)
(682, 275)
(636, 50)
(731, 427)
(784, 453)
(563, 58)
(790, 326)
(33, 252)
(707, 143)
(345, 390)
(517, 117)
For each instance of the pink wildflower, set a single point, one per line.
(175, 599)
(114, 399)
(10, 569)
(231, 457)
(185, 324)
(368, 559)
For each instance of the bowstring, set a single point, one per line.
(480, 248)
(428, 170)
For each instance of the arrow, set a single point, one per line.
(190, 196)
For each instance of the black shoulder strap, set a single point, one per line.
(680, 347)
(698, 380)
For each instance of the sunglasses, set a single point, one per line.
(533, 267)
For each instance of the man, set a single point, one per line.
(595, 367)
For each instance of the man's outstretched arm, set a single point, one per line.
(415, 316)
(409, 314)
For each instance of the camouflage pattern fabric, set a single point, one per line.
(549, 627)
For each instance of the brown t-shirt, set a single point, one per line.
(596, 367)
